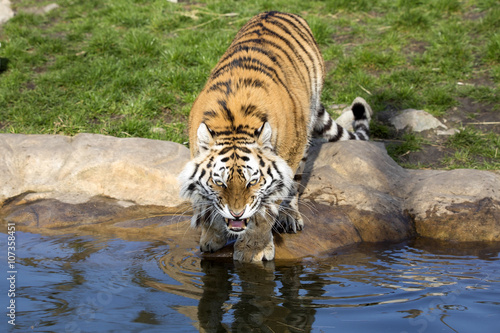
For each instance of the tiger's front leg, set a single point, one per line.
(289, 219)
(256, 244)
(213, 235)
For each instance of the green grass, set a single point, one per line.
(410, 142)
(474, 150)
(125, 67)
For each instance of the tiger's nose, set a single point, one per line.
(237, 215)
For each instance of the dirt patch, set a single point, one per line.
(346, 37)
(329, 66)
(416, 46)
(480, 79)
(429, 157)
(481, 116)
(168, 116)
(474, 14)
(30, 85)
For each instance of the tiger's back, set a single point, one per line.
(272, 72)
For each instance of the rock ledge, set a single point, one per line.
(353, 192)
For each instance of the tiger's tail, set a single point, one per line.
(327, 128)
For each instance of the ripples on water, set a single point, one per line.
(83, 284)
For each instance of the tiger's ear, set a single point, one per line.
(264, 134)
(205, 137)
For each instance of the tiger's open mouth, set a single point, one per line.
(236, 225)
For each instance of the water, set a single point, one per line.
(85, 284)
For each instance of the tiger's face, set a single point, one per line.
(236, 182)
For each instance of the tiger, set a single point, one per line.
(250, 128)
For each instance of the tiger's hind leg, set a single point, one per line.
(327, 128)
(289, 219)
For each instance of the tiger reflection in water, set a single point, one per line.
(258, 308)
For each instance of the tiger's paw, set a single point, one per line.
(211, 241)
(290, 221)
(212, 245)
(247, 251)
(265, 254)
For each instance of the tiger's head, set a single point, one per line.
(235, 177)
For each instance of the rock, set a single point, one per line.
(362, 179)
(415, 121)
(40, 10)
(338, 108)
(50, 7)
(6, 13)
(451, 131)
(158, 130)
(352, 192)
(458, 205)
(461, 205)
(74, 169)
(93, 216)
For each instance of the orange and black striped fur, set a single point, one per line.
(250, 129)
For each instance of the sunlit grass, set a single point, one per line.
(126, 67)
(474, 149)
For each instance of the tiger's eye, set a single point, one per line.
(253, 182)
(219, 183)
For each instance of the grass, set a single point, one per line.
(411, 142)
(131, 67)
(474, 149)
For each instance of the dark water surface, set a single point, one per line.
(84, 284)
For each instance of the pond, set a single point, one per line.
(91, 284)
